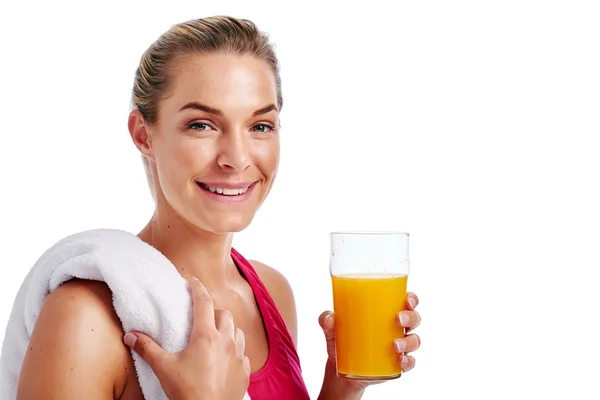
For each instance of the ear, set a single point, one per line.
(139, 134)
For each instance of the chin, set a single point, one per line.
(227, 224)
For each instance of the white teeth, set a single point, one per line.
(226, 191)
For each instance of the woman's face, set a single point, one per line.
(216, 143)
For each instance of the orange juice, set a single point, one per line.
(366, 309)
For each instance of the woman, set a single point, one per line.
(206, 103)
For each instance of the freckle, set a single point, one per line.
(31, 348)
(168, 226)
(92, 330)
(71, 369)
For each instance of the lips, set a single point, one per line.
(225, 188)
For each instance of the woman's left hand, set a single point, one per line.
(408, 319)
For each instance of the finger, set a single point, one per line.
(409, 319)
(407, 344)
(147, 348)
(224, 322)
(247, 368)
(204, 312)
(327, 322)
(412, 301)
(240, 340)
(407, 363)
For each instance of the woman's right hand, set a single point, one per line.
(212, 366)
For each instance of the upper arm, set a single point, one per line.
(75, 349)
(281, 292)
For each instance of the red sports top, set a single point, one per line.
(281, 376)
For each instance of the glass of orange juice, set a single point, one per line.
(369, 272)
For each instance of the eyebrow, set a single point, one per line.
(264, 110)
(194, 105)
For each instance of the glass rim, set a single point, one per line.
(358, 232)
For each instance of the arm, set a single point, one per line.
(338, 388)
(75, 349)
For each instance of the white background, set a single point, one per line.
(473, 125)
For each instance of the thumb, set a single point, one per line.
(146, 347)
(327, 322)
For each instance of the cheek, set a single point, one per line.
(267, 157)
(182, 158)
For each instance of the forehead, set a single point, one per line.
(229, 82)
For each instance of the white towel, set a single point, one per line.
(149, 296)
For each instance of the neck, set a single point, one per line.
(194, 252)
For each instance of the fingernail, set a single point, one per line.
(400, 346)
(404, 319)
(130, 339)
(412, 302)
(326, 319)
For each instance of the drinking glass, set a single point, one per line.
(369, 273)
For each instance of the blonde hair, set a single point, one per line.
(206, 35)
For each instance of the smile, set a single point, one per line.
(224, 191)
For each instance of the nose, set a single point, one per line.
(234, 152)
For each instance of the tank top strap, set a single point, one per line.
(282, 374)
(271, 317)
(263, 298)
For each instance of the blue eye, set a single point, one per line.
(199, 126)
(262, 128)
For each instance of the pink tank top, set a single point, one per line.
(281, 376)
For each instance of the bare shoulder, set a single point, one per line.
(76, 349)
(281, 292)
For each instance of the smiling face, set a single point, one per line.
(214, 150)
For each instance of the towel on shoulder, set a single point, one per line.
(149, 296)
